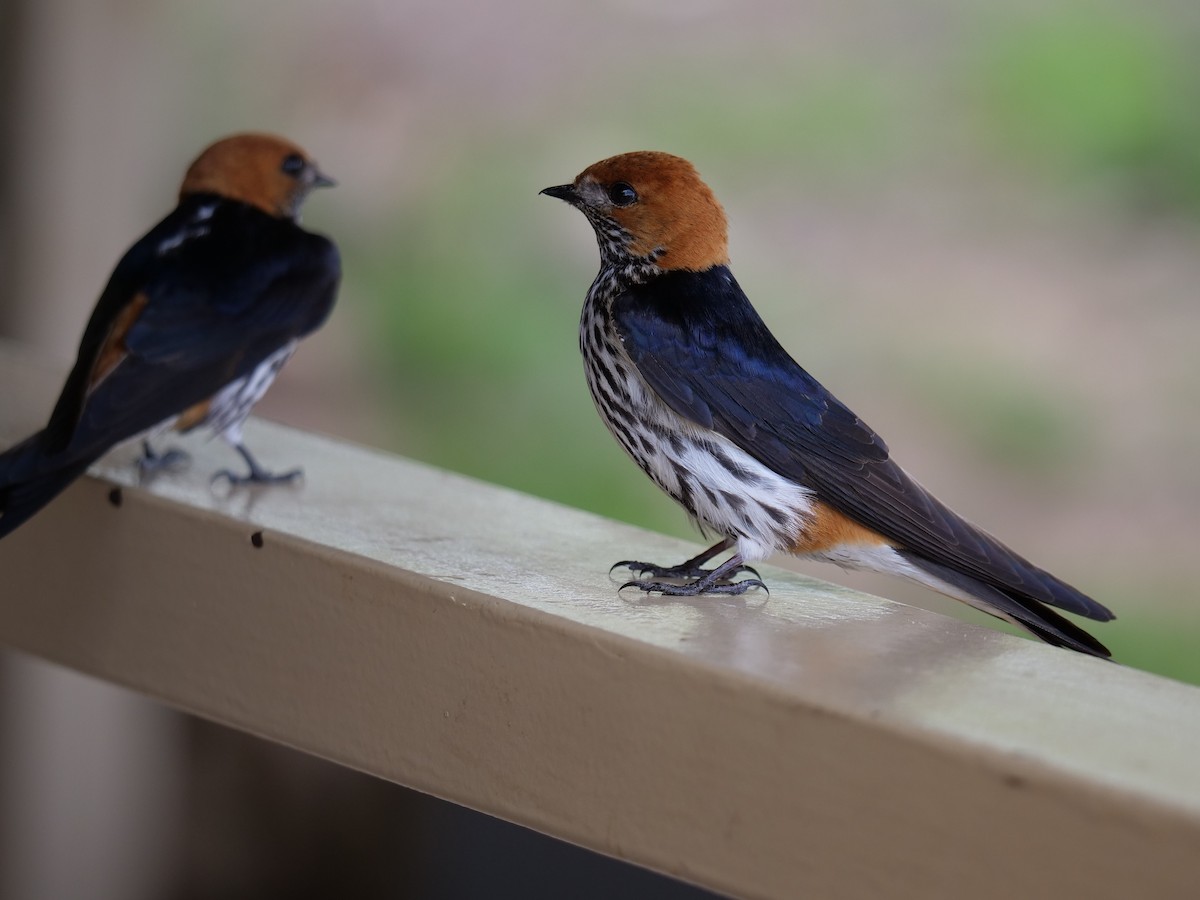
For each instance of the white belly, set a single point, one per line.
(232, 404)
(719, 484)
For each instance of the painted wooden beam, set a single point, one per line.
(467, 641)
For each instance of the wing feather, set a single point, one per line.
(174, 325)
(701, 346)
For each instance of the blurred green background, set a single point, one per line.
(976, 223)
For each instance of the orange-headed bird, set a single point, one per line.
(690, 382)
(195, 321)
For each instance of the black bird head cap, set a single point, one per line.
(262, 170)
(662, 208)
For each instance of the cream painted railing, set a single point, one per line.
(466, 641)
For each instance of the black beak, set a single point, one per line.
(320, 179)
(563, 192)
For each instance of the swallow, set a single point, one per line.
(196, 320)
(689, 380)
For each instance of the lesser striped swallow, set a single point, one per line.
(693, 385)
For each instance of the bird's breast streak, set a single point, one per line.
(718, 483)
(228, 410)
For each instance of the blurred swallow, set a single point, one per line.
(196, 320)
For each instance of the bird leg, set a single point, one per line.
(257, 474)
(692, 568)
(152, 462)
(714, 581)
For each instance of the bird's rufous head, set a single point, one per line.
(262, 170)
(659, 205)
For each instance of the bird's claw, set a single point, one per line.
(257, 476)
(695, 588)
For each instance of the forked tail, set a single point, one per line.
(29, 480)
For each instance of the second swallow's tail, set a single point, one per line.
(1013, 605)
(28, 481)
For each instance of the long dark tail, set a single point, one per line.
(1022, 610)
(29, 480)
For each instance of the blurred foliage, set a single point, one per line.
(1010, 418)
(1097, 92)
(834, 122)
(1164, 645)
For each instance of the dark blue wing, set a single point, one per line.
(221, 292)
(209, 293)
(702, 347)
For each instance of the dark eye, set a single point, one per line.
(622, 194)
(293, 164)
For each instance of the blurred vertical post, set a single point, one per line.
(89, 784)
(12, 20)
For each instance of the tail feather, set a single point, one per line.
(1010, 605)
(29, 480)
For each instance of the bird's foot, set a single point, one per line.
(702, 581)
(256, 474)
(151, 462)
(691, 568)
(695, 588)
